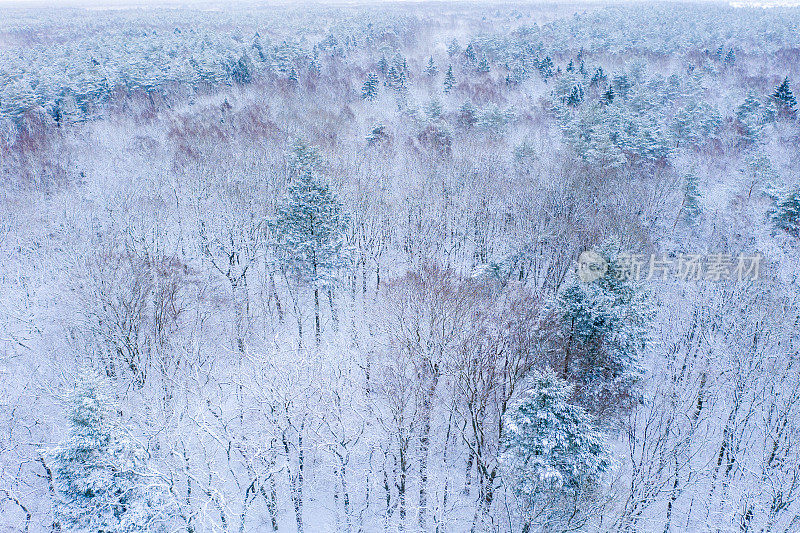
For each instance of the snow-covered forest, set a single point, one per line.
(400, 268)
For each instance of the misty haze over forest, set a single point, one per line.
(400, 267)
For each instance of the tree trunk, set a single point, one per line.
(441, 521)
(271, 500)
(56, 525)
(672, 497)
(364, 276)
(316, 316)
(334, 311)
(485, 500)
(424, 447)
(387, 490)
(401, 488)
(295, 479)
(345, 495)
(468, 470)
(240, 309)
(274, 293)
(300, 467)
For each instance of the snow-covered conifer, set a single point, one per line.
(101, 478)
(552, 452)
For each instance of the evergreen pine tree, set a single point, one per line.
(691, 200)
(546, 68)
(785, 100)
(469, 54)
(449, 80)
(453, 48)
(242, 70)
(283, 57)
(589, 133)
(552, 451)
(401, 79)
(751, 117)
(258, 47)
(695, 123)
(607, 96)
(785, 214)
(493, 119)
(606, 327)
(433, 110)
(598, 77)
(467, 115)
(575, 96)
(99, 474)
(483, 65)
(369, 91)
(621, 85)
(431, 69)
(310, 228)
(396, 78)
(303, 159)
(313, 67)
(383, 65)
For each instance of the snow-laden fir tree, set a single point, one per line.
(691, 200)
(785, 214)
(605, 326)
(314, 68)
(589, 133)
(449, 80)
(396, 78)
(494, 120)
(303, 159)
(258, 47)
(470, 55)
(751, 117)
(369, 91)
(431, 69)
(607, 97)
(546, 68)
(621, 85)
(453, 48)
(383, 65)
(695, 123)
(575, 96)
(553, 454)
(467, 115)
(311, 229)
(643, 134)
(598, 77)
(785, 100)
(101, 478)
(433, 109)
(242, 70)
